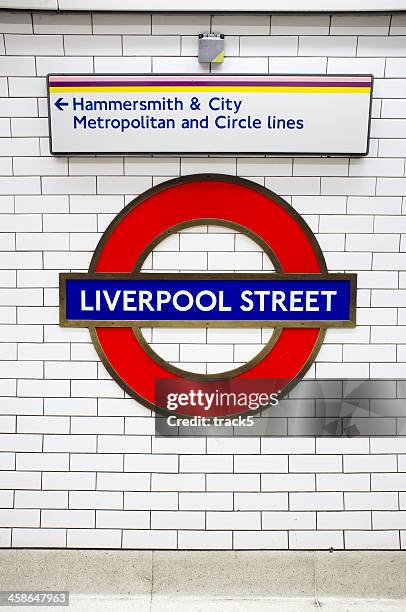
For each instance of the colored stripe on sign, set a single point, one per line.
(264, 89)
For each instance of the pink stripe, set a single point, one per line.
(54, 80)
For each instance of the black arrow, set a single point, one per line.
(60, 104)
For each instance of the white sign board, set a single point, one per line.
(227, 114)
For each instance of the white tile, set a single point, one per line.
(28, 44)
(67, 518)
(47, 65)
(62, 23)
(41, 499)
(39, 538)
(145, 539)
(16, 22)
(92, 45)
(269, 45)
(348, 65)
(94, 538)
(300, 24)
(272, 540)
(364, 540)
(238, 65)
(360, 24)
(316, 540)
(177, 520)
(122, 519)
(121, 23)
(180, 23)
(373, 46)
(205, 540)
(233, 520)
(123, 65)
(339, 46)
(151, 45)
(241, 24)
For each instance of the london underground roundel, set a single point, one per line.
(115, 299)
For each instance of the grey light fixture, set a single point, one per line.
(211, 48)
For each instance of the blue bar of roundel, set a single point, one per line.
(232, 291)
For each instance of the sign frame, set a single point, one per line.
(221, 153)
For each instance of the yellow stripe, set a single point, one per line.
(266, 89)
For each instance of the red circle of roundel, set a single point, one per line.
(200, 197)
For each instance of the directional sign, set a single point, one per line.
(292, 114)
(115, 298)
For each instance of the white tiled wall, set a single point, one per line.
(80, 464)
